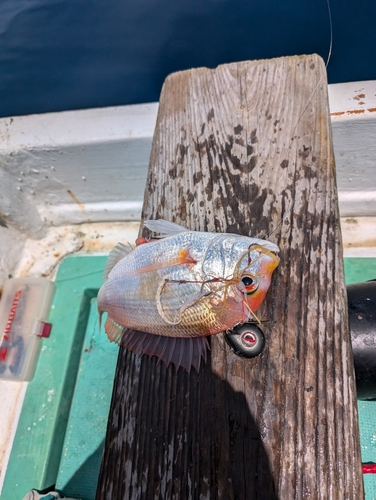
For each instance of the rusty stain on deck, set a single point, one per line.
(80, 205)
(353, 112)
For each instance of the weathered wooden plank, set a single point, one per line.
(247, 148)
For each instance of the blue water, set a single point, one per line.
(71, 54)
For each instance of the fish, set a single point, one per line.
(166, 296)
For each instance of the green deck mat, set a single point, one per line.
(62, 427)
(69, 397)
(86, 430)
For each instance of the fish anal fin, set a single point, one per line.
(113, 330)
(180, 351)
(116, 254)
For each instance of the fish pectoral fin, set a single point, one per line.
(164, 227)
(113, 330)
(183, 257)
(185, 352)
(116, 254)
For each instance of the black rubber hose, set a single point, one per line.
(362, 317)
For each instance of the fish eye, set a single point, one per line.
(250, 283)
(247, 280)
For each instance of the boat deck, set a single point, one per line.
(85, 171)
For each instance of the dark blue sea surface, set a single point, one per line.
(71, 54)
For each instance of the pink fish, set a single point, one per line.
(163, 298)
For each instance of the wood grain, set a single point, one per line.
(246, 148)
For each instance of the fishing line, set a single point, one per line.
(330, 50)
(331, 33)
(326, 67)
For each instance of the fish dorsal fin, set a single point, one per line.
(164, 227)
(115, 255)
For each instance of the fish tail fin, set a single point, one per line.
(184, 352)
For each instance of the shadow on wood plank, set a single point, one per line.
(186, 435)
